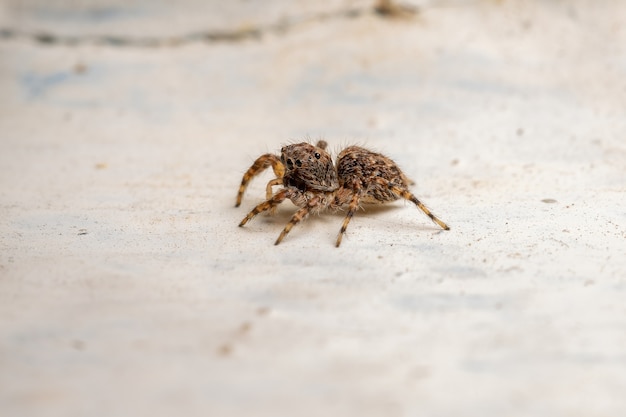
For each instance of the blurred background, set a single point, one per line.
(127, 289)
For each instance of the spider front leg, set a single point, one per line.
(270, 184)
(270, 204)
(407, 195)
(261, 164)
(269, 192)
(295, 219)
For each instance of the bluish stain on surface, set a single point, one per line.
(400, 92)
(100, 86)
(55, 88)
(357, 88)
(88, 14)
(442, 302)
(35, 85)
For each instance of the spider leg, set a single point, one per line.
(270, 184)
(407, 195)
(268, 191)
(354, 205)
(278, 198)
(261, 164)
(297, 218)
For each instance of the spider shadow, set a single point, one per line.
(365, 209)
(284, 213)
(333, 219)
(373, 210)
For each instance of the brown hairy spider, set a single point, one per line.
(312, 182)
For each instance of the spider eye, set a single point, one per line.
(317, 155)
(289, 163)
(298, 163)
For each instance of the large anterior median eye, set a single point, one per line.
(298, 163)
(317, 155)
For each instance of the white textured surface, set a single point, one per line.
(127, 289)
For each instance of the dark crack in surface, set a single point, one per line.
(382, 9)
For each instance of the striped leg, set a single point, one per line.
(354, 205)
(261, 164)
(278, 198)
(268, 192)
(297, 218)
(268, 188)
(407, 195)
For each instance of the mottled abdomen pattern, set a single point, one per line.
(358, 167)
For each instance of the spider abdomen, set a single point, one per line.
(358, 169)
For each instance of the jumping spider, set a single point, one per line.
(312, 182)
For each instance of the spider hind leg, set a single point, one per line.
(407, 195)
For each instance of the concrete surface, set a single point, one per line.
(127, 289)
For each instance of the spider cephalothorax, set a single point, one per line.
(313, 183)
(308, 167)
